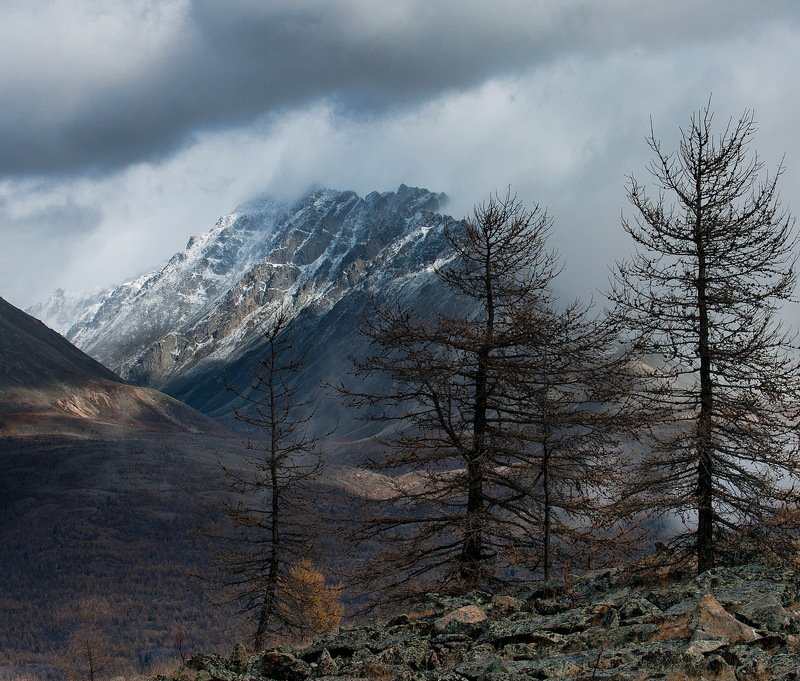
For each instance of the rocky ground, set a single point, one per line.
(730, 623)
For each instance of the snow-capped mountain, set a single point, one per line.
(195, 325)
(116, 327)
(61, 309)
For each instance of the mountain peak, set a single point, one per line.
(329, 252)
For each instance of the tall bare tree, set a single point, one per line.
(466, 459)
(271, 508)
(574, 378)
(715, 259)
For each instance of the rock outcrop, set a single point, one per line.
(730, 623)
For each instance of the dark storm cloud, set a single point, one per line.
(220, 63)
(51, 220)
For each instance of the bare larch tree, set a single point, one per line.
(574, 379)
(714, 261)
(466, 455)
(271, 508)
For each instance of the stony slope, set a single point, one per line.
(733, 624)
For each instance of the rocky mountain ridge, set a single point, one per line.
(113, 326)
(740, 623)
(194, 328)
(262, 255)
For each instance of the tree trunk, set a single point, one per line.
(705, 491)
(547, 510)
(268, 602)
(271, 587)
(90, 660)
(472, 552)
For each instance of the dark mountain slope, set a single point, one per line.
(105, 492)
(35, 356)
(48, 386)
(109, 497)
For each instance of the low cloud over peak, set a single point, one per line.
(129, 125)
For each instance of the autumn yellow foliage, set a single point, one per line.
(309, 605)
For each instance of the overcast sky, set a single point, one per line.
(127, 126)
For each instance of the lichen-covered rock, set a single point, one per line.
(326, 664)
(283, 666)
(507, 605)
(714, 622)
(636, 608)
(480, 668)
(765, 612)
(463, 619)
(731, 624)
(239, 657)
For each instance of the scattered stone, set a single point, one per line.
(550, 589)
(457, 620)
(198, 662)
(766, 612)
(239, 657)
(375, 671)
(284, 666)
(714, 622)
(637, 607)
(479, 669)
(506, 605)
(549, 606)
(399, 621)
(326, 664)
(730, 624)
